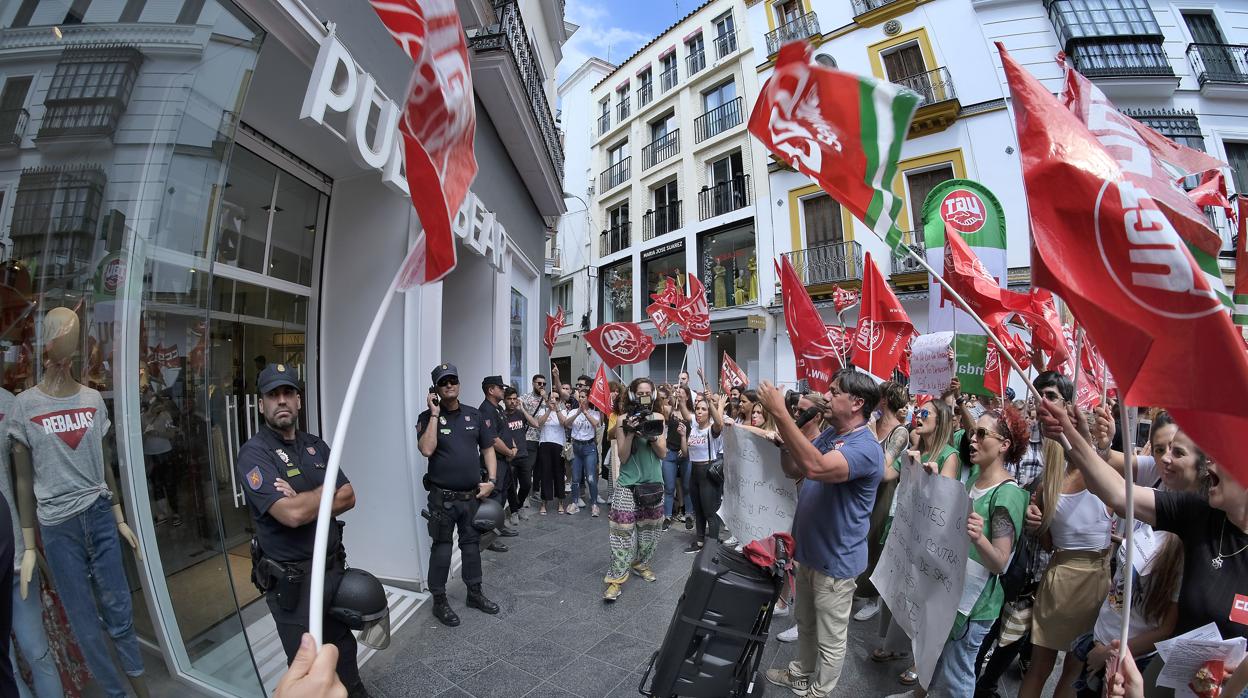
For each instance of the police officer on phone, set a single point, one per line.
(456, 440)
(284, 470)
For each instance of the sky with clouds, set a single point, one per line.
(614, 29)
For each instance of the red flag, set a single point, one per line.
(1118, 138)
(1178, 157)
(844, 299)
(904, 365)
(620, 343)
(1014, 346)
(1128, 276)
(841, 339)
(670, 295)
(996, 371)
(731, 375)
(662, 315)
(884, 328)
(554, 323)
(600, 392)
(1211, 191)
(968, 276)
(438, 122)
(693, 313)
(1241, 261)
(813, 351)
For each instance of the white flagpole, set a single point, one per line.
(1126, 414)
(1078, 363)
(317, 589)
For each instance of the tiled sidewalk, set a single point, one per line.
(555, 637)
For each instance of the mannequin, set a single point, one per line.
(61, 404)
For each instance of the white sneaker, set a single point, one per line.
(907, 694)
(567, 487)
(601, 500)
(868, 610)
(732, 542)
(789, 635)
(580, 502)
(780, 611)
(572, 509)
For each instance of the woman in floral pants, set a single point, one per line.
(636, 518)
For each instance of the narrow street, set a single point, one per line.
(555, 637)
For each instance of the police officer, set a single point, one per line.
(284, 470)
(453, 437)
(504, 450)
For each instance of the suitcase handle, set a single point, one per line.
(641, 687)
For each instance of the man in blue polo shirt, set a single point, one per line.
(840, 470)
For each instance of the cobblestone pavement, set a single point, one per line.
(555, 637)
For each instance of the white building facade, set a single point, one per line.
(1180, 67)
(157, 177)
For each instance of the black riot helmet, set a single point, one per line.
(489, 516)
(360, 604)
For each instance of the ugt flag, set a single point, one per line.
(1104, 245)
(437, 125)
(731, 375)
(884, 328)
(813, 352)
(843, 130)
(620, 343)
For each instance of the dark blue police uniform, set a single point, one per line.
(493, 417)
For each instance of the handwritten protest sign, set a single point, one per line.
(923, 567)
(758, 499)
(930, 369)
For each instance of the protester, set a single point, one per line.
(841, 469)
(705, 450)
(892, 435)
(517, 422)
(530, 403)
(585, 419)
(677, 410)
(636, 515)
(553, 420)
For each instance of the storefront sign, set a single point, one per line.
(662, 250)
(288, 339)
(756, 322)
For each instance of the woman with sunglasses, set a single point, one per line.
(553, 423)
(704, 449)
(677, 409)
(893, 436)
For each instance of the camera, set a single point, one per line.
(640, 420)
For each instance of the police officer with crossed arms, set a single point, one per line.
(456, 439)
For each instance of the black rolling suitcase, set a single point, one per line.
(715, 641)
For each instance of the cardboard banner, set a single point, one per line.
(922, 570)
(930, 369)
(758, 499)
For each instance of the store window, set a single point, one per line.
(661, 263)
(728, 267)
(519, 321)
(616, 286)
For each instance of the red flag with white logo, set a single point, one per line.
(600, 392)
(996, 371)
(1101, 241)
(813, 351)
(554, 323)
(693, 313)
(844, 299)
(968, 276)
(1041, 319)
(620, 343)
(1211, 191)
(731, 375)
(663, 317)
(884, 328)
(437, 125)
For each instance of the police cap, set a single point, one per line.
(442, 371)
(276, 375)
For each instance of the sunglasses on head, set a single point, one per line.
(982, 433)
(449, 380)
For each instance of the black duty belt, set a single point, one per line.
(453, 495)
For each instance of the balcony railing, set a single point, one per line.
(614, 239)
(661, 149)
(13, 126)
(510, 34)
(661, 221)
(862, 7)
(1121, 58)
(726, 196)
(725, 44)
(717, 120)
(604, 122)
(1219, 63)
(622, 110)
(645, 93)
(800, 28)
(614, 175)
(695, 62)
(933, 86)
(903, 263)
(668, 78)
(831, 263)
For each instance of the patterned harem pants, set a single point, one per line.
(634, 533)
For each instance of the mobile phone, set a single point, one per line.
(1142, 431)
(434, 392)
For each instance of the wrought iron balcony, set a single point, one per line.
(604, 122)
(13, 126)
(695, 62)
(862, 7)
(645, 93)
(933, 86)
(1120, 58)
(613, 240)
(510, 35)
(661, 220)
(661, 149)
(903, 263)
(830, 263)
(1222, 63)
(805, 26)
(614, 175)
(622, 110)
(725, 44)
(717, 120)
(726, 196)
(668, 78)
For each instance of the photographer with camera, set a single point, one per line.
(636, 517)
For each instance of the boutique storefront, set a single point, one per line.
(157, 180)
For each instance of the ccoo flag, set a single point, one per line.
(843, 130)
(1103, 244)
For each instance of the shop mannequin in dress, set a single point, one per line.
(63, 481)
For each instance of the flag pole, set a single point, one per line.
(1126, 414)
(1078, 368)
(332, 466)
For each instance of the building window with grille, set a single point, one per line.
(1110, 37)
(55, 215)
(822, 217)
(89, 91)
